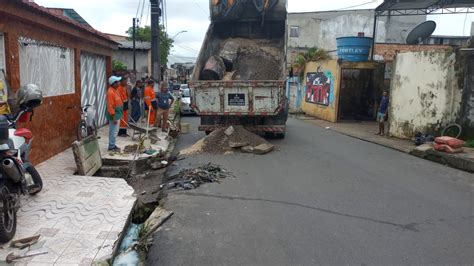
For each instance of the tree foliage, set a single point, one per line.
(118, 66)
(312, 55)
(144, 34)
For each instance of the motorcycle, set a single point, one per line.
(18, 176)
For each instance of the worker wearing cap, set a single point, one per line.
(114, 111)
(150, 102)
(123, 90)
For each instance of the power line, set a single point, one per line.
(165, 6)
(199, 6)
(141, 16)
(138, 8)
(187, 47)
(147, 13)
(366, 3)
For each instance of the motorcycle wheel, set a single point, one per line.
(35, 176)
(81, 130)
(7, 216)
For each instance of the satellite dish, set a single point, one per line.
(421, 32)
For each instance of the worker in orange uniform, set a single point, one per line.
(123, 90)
(151, 104)
(114, 111)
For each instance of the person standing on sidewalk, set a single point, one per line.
(135, 100)
(382, 114)
(114, 111)
(123, 90)
(165, 101)
(150, 102)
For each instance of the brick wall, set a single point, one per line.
(53, 125)
(389, 51)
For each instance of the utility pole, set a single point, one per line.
(134, 36)
(155, 39)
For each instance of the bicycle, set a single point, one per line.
(87, 126)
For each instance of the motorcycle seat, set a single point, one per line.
(24, 132)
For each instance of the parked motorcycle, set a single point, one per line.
(17, 175)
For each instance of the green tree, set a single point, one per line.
(118, 66)
(144, 34)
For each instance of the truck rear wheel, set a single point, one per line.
(279, 135)
(271, 135)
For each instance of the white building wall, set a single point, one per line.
(424, 95)
(320, 29)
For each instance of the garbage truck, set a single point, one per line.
(239, 77)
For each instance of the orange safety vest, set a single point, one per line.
(114, 101)
(149, 96)
(123, 93)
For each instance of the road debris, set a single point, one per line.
(11, 257)
(192, 178)
(25, 242)
(233, 138)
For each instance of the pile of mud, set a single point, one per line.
(233, 138)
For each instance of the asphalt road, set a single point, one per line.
(321, 198)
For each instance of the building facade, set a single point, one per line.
(69, 62)
(320, 29)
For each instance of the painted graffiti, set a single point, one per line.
(320, 87)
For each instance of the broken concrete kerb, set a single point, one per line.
(263, 148)
(238, 144)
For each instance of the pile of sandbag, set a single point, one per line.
(449, 144)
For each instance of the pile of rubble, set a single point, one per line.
(233, 138)
(192, 178)
(244, 59)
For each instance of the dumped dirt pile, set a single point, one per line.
(256, 59)
(229, 139)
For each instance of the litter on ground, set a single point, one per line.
(192, 178)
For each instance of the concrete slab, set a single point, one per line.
(79, 217)
(160, 146)
(462, 161)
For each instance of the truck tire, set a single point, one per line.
(208, 120)
(279, 135)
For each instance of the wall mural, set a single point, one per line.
(320, 87)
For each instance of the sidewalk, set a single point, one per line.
(79, 218)
(366, 131)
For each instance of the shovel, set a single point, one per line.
(146, 139)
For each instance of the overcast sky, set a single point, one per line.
(115, 16)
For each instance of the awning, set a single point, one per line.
(424, 7)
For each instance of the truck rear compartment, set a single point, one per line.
(239, 77)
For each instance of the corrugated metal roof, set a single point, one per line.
(138, 45)
(424, 7)
(44, 10)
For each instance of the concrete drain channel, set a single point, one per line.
(145, 176)
(151, 185)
